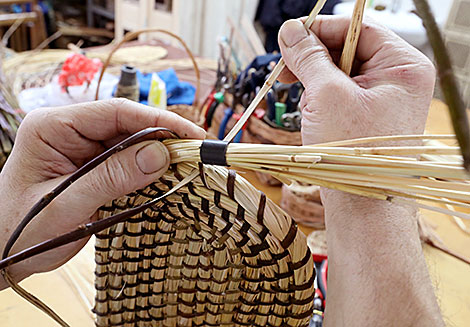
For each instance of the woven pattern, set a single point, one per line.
(212, 254)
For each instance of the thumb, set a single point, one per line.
(134, 168)
(306, 56)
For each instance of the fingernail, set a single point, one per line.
(152, 158)
(293, 32)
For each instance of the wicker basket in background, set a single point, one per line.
(303, 204)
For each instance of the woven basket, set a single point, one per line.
(303, 204)
(192, 112)
(213, 254)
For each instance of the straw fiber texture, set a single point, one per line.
(216, 253)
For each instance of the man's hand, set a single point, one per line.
(377, 273)
(52, 144)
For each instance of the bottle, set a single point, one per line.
(128, 86)
(157, 94)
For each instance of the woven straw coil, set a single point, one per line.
(216, 253)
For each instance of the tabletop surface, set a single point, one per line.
(69, 290)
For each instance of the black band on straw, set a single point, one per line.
(214, 153)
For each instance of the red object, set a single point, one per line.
(237, 117)
(210, 101)
(78, 70)
(260, 113)
(324, 273)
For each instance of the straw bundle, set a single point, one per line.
(375, 172)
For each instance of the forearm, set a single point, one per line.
(377, 272)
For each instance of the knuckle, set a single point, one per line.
(119, 102)
(421, 77)
(372, 24)
(428, 70)
(308, 57)
(114, 179)
(34, 117)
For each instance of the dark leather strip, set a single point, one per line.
(303, 262)
(213, 152)
(261, 206)
(287, 241)
(202, 175)
(231, 179)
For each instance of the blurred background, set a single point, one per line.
(202, 23)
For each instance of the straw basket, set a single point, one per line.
(186, 111)
(216, 253)
(303, 203)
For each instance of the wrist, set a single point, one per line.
(351, 217)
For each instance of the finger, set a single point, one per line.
(63, 139)
(307, 58)
(103, 120)
(375, 40)
(287, 77)
(123, 173)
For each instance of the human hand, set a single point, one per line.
(52, 144)
(389, 93)
(373, 245)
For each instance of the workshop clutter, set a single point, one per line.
(278, 119)
(78, 70)
(233, 91)
(181, 98)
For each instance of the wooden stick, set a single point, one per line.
(352, 39)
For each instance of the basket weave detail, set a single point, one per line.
(209, 255)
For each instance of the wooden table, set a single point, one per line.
(69, 290)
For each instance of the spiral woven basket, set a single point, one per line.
(212, 254)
